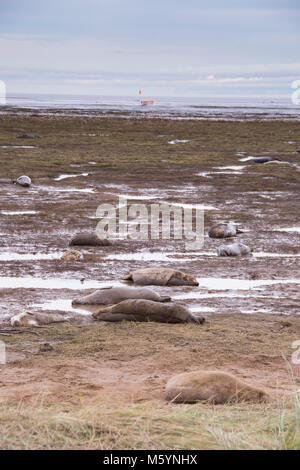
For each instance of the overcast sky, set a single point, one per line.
(164, 47)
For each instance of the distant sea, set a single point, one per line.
(214, 108)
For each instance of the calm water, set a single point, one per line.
(172, 108)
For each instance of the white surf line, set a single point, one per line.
(289, 229)
(19, 212)
(53, 283)
(65, 176)
(30, 256)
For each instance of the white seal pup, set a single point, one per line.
(23, 180)
(35, 319)
(235, 249)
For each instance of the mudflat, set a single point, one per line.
(251, 304)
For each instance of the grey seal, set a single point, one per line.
(211, 386)
(161, 277)
(114, 295)
(24, 181)
(88, 239)
(264, 159)
(147, 310)
(223, 230)
(235, 249)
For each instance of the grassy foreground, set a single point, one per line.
(67, 426)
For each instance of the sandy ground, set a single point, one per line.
(251, 319)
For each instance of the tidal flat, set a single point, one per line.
(101, 385)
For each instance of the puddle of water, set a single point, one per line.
(190, 206)
(145, 257)
(29, 256)
(65, 305)
(241, 284)
(262, 254)
(133, 196)
(65, 176)
(19, 212)
(260, 310)
(176, 141)
(246, 159)
(73, 190)
(52, 283)
(17, 146)
(289, 229)
(205, 174)
(233, 167)
(92, 163)
(181, 257)
(201, 309)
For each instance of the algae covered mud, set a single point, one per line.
(80, 161)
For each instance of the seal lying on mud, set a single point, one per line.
(28, 136)
(161, 277)
(223, 230)
(24, 181)
(264, 159)
(214, 387)
(114, 295)
(34, 319)
(146, 310)
(235, 249)
(88, 239)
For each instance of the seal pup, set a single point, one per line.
(147, 310)
(223, 230)
(35, 319)
(235, 249)
(71, 255)
(88, 239)
(213, 387)
(161, 277)
(24, 181)
(114, 295)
